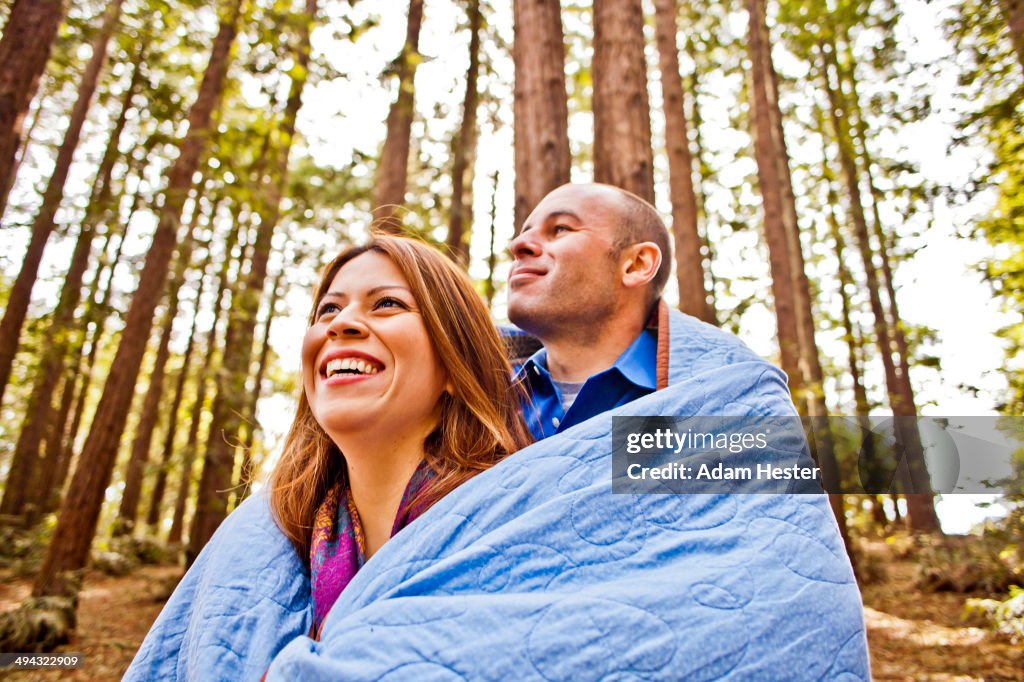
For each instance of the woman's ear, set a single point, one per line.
(641, 264)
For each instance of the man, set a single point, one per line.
(590, 264)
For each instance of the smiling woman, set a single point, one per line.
(406, 394)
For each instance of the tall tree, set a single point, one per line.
(150, 414)
(42, 227)
(393, 169)
(622, 114)
(541, 110)
(790, 285)
(160, 485)
(461, 213)
(920, 505)
(694, 299)
(39, 415)
(229, 401)
(76, 524)
(763, 99)
(24, 48)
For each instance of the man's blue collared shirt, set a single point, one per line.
(632, 376)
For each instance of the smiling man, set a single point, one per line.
(590, 264)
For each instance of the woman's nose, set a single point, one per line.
(347, 324)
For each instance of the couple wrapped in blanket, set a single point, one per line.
(533, 568)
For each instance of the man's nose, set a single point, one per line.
(524, 246)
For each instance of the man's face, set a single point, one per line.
(565, 278)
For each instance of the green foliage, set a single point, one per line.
(1005, 616)
(992, 86)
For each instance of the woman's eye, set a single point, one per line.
(388, 302)
(561, 228)
(326, 309)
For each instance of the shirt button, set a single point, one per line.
(554, 422)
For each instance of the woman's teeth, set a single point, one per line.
(350, 366)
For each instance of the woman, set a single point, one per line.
(406, 394)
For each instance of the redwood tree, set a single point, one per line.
(541, 131)
(393, 169)
(76, 523)
(42, 227)
(694, 299)
(622, 114)
(229, 403)
(24, 48)
(461, 213)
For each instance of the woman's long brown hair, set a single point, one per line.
(480, 420)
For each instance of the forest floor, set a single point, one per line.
(913, 636)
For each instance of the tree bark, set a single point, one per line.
(492, 255)
(62, 335)
(693, 296)
(764, 98)
(24, 49)
(622, 113)
(1013, 13)
(393, 169)
(541, 110)
(462, 177)
(76, 524)
(229, 401)
(42, 227)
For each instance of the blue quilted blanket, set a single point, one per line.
(535, 570)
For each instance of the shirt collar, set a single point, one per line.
(636, 363)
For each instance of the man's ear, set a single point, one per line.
(640, 263)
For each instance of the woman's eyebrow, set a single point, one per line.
(371, 292)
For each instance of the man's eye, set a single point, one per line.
(388, 302)
(561, 228)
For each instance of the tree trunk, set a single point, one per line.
(24, 146)
(24, 49)
(693, 297)
(192, 445)
(693, 88)
(492, 255)
(622, 114)
(76, 524)
(763, 99)
(1013, 13)
(160, 485)
(229, 401)
(39, 415)
(150, 415)
(393, 169)
(462, 191)
(541, 110)
(96, 314)
(21, 292)
(782, 232)
(920, 505)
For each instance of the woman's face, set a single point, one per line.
(368, 364)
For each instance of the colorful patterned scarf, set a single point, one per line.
(338, 547)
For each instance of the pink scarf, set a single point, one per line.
(338, 547)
